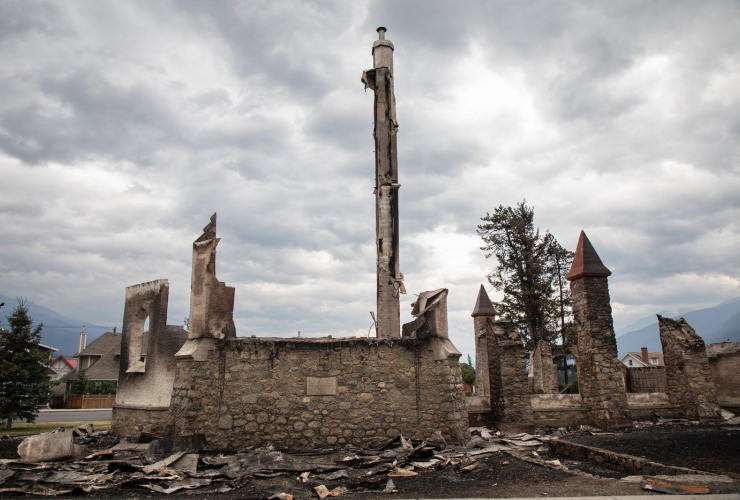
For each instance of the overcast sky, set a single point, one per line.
(125, 125)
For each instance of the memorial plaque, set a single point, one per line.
(321, 386)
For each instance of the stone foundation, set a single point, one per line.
(306, 393)
(567, 410)
(618, 461)
(133, 421)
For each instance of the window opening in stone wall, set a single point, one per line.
(136, 362)
(567, 372)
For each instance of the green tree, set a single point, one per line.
(81, 384)
(559, 261)
(468, 372)
(24, 382)
(530, 272)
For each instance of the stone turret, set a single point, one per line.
(389, 279)
(600, 378)
(483, 309)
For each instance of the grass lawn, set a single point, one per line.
(25, 429)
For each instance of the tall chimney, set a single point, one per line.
(645, 357)
(83, 340)
(389, 278)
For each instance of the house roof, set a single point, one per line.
(483, 305)
(72, 363)
(108, 347)
(48, 348)
(106, 368)
(101, 345)
(586, 261)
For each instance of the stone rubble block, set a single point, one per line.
(53, 445)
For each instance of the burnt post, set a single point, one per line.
(600, 377)
(389, 279)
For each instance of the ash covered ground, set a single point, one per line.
(494, 464)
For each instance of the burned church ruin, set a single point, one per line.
(296, 393)
(306, 393)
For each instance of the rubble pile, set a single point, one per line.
(88, 461)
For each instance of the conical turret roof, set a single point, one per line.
(586, 261)
(483, 305)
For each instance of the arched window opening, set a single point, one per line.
(136, 359)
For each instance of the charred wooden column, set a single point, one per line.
(389, 279)
(600, 377)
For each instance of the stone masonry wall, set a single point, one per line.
(132, 422)
(308, 393)
(724, 365)
(600, 378)
(542, 369)
(507, 376)
(481, 357)
(688, 377)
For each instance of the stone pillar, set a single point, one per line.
(542, 370)
(688, 377)
(389, 279)
(211, 301)
(600, 378)
(511, 406)
(483, 309)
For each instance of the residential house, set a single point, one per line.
(99, 360)
(102, 358)
(62, 366)
(642, 359)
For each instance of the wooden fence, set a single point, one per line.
(90, 401)
(646, 379)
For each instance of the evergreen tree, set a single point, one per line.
(530, 272)
(24, 383)
(559, 261)
(81, 384)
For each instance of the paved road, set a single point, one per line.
(74, 415)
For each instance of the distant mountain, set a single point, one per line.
(643, 322)
(713, 324)
(59, 331)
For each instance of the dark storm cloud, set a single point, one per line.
(84, 116)
(125, 126)
(18, 17)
